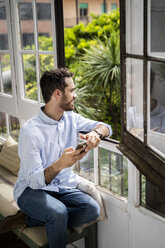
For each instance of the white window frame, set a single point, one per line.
(8, 103)
(17, 105)
(26, 107)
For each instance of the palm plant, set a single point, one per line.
(100, 70)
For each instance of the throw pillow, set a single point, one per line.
(9, 156)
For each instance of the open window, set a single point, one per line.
(143, 86)
(31, 41)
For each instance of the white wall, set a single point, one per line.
(128, 225)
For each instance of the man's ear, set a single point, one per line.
(57, 93)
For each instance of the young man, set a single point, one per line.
(46, 187)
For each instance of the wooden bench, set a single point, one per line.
(35, 237)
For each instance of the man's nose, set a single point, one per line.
(75, 95)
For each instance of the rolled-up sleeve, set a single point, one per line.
(87, 125)
(31, 161)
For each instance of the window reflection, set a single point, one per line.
(26, 25)
(157, 106)
(6, 73)
(30, 78)
(3, 29)
(156, 23)
(3, 127)
(44, 24)
(134, 79)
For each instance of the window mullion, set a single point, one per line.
(145, 74)
(54, 32)
(96, 166)
(7, 124)
(1, 84)
(36, 48)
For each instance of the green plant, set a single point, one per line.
(100, 77)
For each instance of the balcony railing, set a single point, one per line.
(107, 167)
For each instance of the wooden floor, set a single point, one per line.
(10, 240)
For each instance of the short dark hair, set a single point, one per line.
(52, 80)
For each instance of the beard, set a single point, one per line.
(65, 104)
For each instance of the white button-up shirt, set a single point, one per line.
(41, 142)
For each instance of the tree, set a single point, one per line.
(100, 68)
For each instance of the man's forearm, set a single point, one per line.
(52, 171)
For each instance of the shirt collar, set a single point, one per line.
(46, 118)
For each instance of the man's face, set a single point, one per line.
(68, 96)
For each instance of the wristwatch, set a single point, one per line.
(99, 132)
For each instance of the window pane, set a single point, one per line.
(113, 172)
(134, 26)
(44, 23)
(30, 79)
(134, 97)
(3, 129)
(83, 5)
(46, 63)
(152, 197)
(102, 8)
(3, 29)
(156, 23)
(157, 107)
(113, 6)
(83, 10)
(6, 73)
(14, 127)
(26, 25)
(87, 166)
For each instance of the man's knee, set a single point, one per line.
(94, 209)
(57, 214)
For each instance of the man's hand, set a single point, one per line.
(92, 139)
(70, 156)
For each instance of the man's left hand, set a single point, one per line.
(92, 139)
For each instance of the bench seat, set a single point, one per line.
(35, 237)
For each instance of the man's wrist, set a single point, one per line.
(99, 132)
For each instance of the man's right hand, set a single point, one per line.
(70, 156)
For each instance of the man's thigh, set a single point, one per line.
(38, 204)
(81, 207)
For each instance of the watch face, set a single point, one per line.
(99, 133)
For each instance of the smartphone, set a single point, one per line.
(82, 145)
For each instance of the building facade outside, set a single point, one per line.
(79, 11)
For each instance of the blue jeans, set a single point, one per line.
(57, 211)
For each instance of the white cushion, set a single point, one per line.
(9, 156)
(90, 189)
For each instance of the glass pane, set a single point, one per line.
(157, 107)
(113, 6)
(46, 63)
(134, 97)
(87, 166)
(44, 23)
(3, 129)
(6, 73)
(156, 23)
(3, 29)
(113, 172)
(103, 8)
(152, 197)
(30, 79)
(14, 127)
(134, 26)
(26, 25)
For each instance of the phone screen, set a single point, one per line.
(81, 145)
